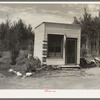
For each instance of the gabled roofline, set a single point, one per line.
(57, 23)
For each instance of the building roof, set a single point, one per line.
(57, 23)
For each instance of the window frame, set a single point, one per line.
(55, 55)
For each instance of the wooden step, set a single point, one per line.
(70, 66)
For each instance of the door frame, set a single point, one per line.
(66, 63)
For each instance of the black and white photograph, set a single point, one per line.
(50, 46)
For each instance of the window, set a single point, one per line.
(55, 45)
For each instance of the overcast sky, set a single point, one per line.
(34, 14)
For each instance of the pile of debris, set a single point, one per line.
(84, 63)
(54, 67)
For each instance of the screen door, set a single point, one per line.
(71, 51)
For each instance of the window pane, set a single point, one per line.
(58, 49)
(51, 49)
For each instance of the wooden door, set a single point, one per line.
(71, 51)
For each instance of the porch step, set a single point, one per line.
(70, 66)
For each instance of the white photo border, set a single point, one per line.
(40, 93)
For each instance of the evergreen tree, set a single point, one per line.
(90, 33)
(76, 21)
(15, 36)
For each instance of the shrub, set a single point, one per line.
(25, 64)
(33, 64)
(83, 52)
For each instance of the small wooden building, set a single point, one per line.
(58, 44)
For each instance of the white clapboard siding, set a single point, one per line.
(39, 36)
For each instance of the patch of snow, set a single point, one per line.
(97, 59)
(93, 61)
(29, 74)
(19, 74)
(11, 70)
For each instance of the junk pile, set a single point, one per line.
(54, 67)
(84, 63)
(26, 67)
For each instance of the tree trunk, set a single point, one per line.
(97, 46)
(87, 44)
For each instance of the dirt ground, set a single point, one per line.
(57, 79)
(67, 78)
